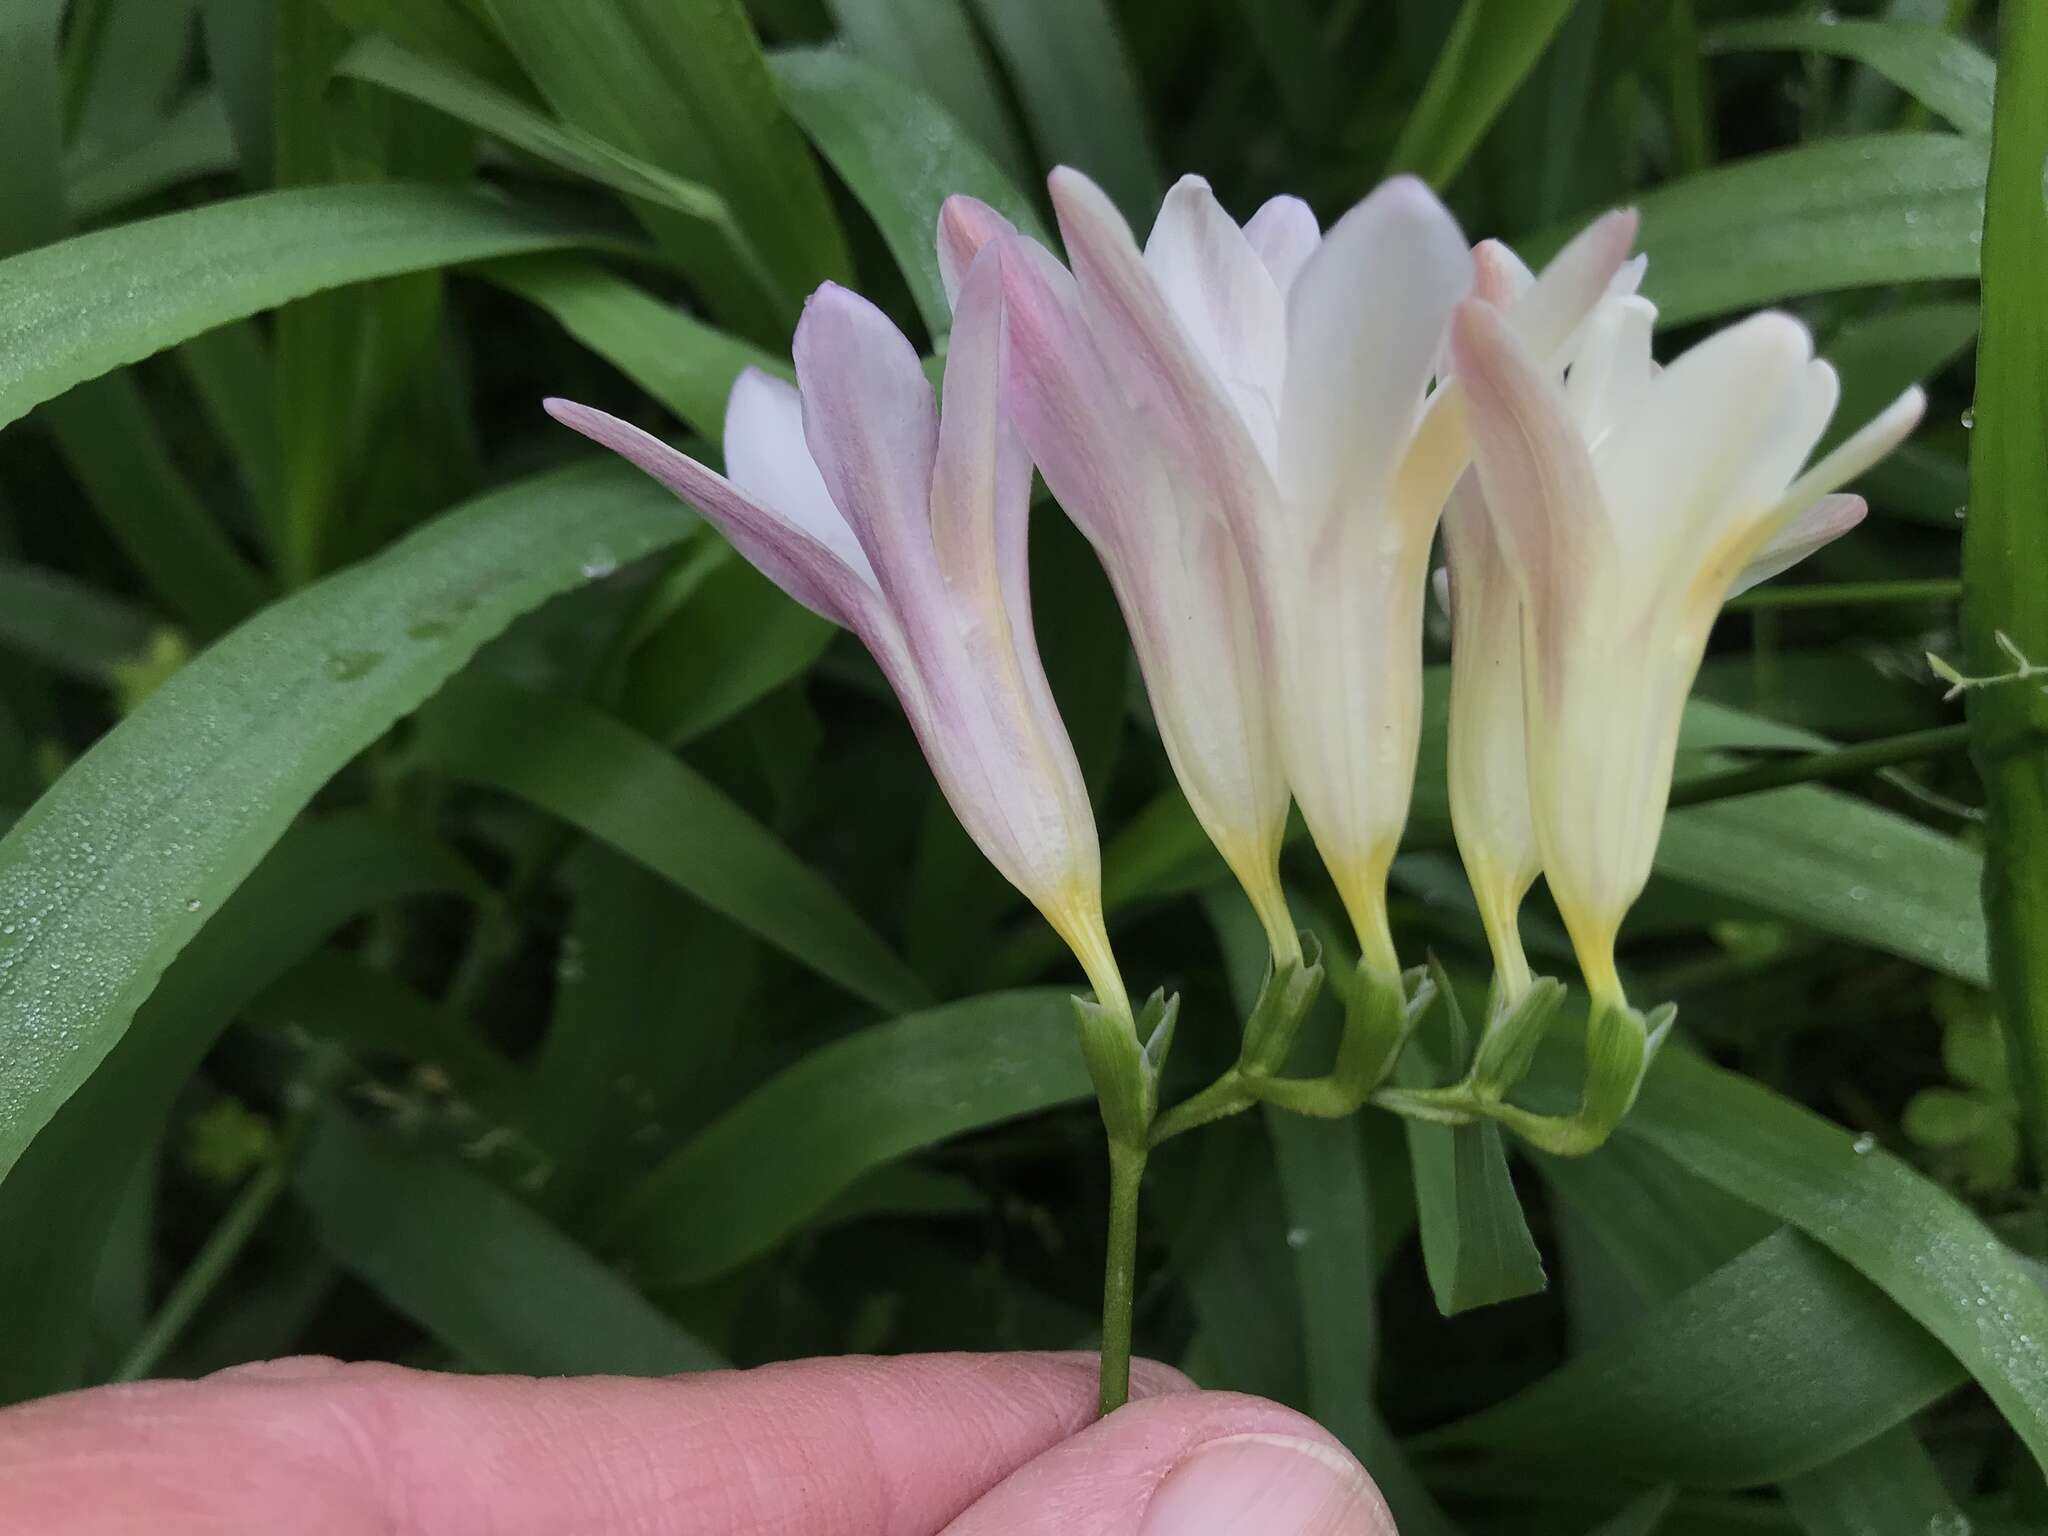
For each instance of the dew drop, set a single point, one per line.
(1298, 1238)
(1864, 1145)
(600, 565)
(193, 905)
(1969, 417)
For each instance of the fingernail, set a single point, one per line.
(1272, 1484)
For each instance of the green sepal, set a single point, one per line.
(1124, 1071)
(1290, 991)
(1380, 1015)
(1513, 1031)
(1621, 1046)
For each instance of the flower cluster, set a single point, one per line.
(1260, 429)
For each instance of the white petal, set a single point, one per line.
(1228, 305)
(1869, 443)
(1819, 525)
(1364, 322)
(1285, 234)
(767, 458)
(1613, 366)
(1576, 279)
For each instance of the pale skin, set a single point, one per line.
(934, 1445)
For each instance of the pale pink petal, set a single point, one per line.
(1228, 305)
(872, 426)
(1820, 524)
(1576, 279)
(1537, 477)
(783, 552)
(966, 224)
(1364, 322)
(767, 458)
(1095, 455)
(981, 483)
(1285, 234)
(1176, 392)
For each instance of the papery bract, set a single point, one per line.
(851, 493)
(1629, 501)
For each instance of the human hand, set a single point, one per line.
(933, 1445)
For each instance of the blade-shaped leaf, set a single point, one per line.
(113, 871)
(1493, 46)
(1943, 72)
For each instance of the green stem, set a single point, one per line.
(223, 1246)
(1119, 1273)
(1821, 767)
(1221, 1099)
(1850, 594)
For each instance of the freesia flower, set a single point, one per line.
(1165, 546)
(855, 496)
(1629, 502)
(1277, 377)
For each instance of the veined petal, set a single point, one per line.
(1820, 524)
(1869, 443)
(1364, 321)
(786, 553)
(1537, 477)
(1285, 234)
(966, 224)
(1174, 390)
(767, 458)
(872, 426)
(1227, 302)
(981, 479)
(1095, 455)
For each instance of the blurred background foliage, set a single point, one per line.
(545, 948)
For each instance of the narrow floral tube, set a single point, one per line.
(855, 496)
(1629, 501)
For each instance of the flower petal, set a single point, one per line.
(1175, 391)
(966, 224)
(1228, 305)
(1285, 234)
(1612, 367)
(1820, 524)
(1869, 443)
(1576, 279)
(767, 459)
(1364, 321)
(1538, 479)
(872, 426)
(787, 554)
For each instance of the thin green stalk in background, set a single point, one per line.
(1821, 767)
(1851, 594)
(2005, 559)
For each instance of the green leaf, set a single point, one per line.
(68, 1186)
(1774, 1364)
(241, 54)
(1906, 1236)
(779, 1156)
(190, 143)
(66, 624)
(902, 156)
(450, 31)
(1944, 73)
(1839, 865)
(603, 777)
(1943, 1117)
(736, 640)
(1080, 96)
(1293, 44)
(1888, 1487)
(2005, 542)
(79, 308)
(112, 872)
(1492, 48)
(1859, 212)
(932, 44)
(1476, 1245)
(681, 84)
(686, 364)
(381, 62)
(481, 1272)
(1640, 1518)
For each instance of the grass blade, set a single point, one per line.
(1492, 48)
(1944, 73)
